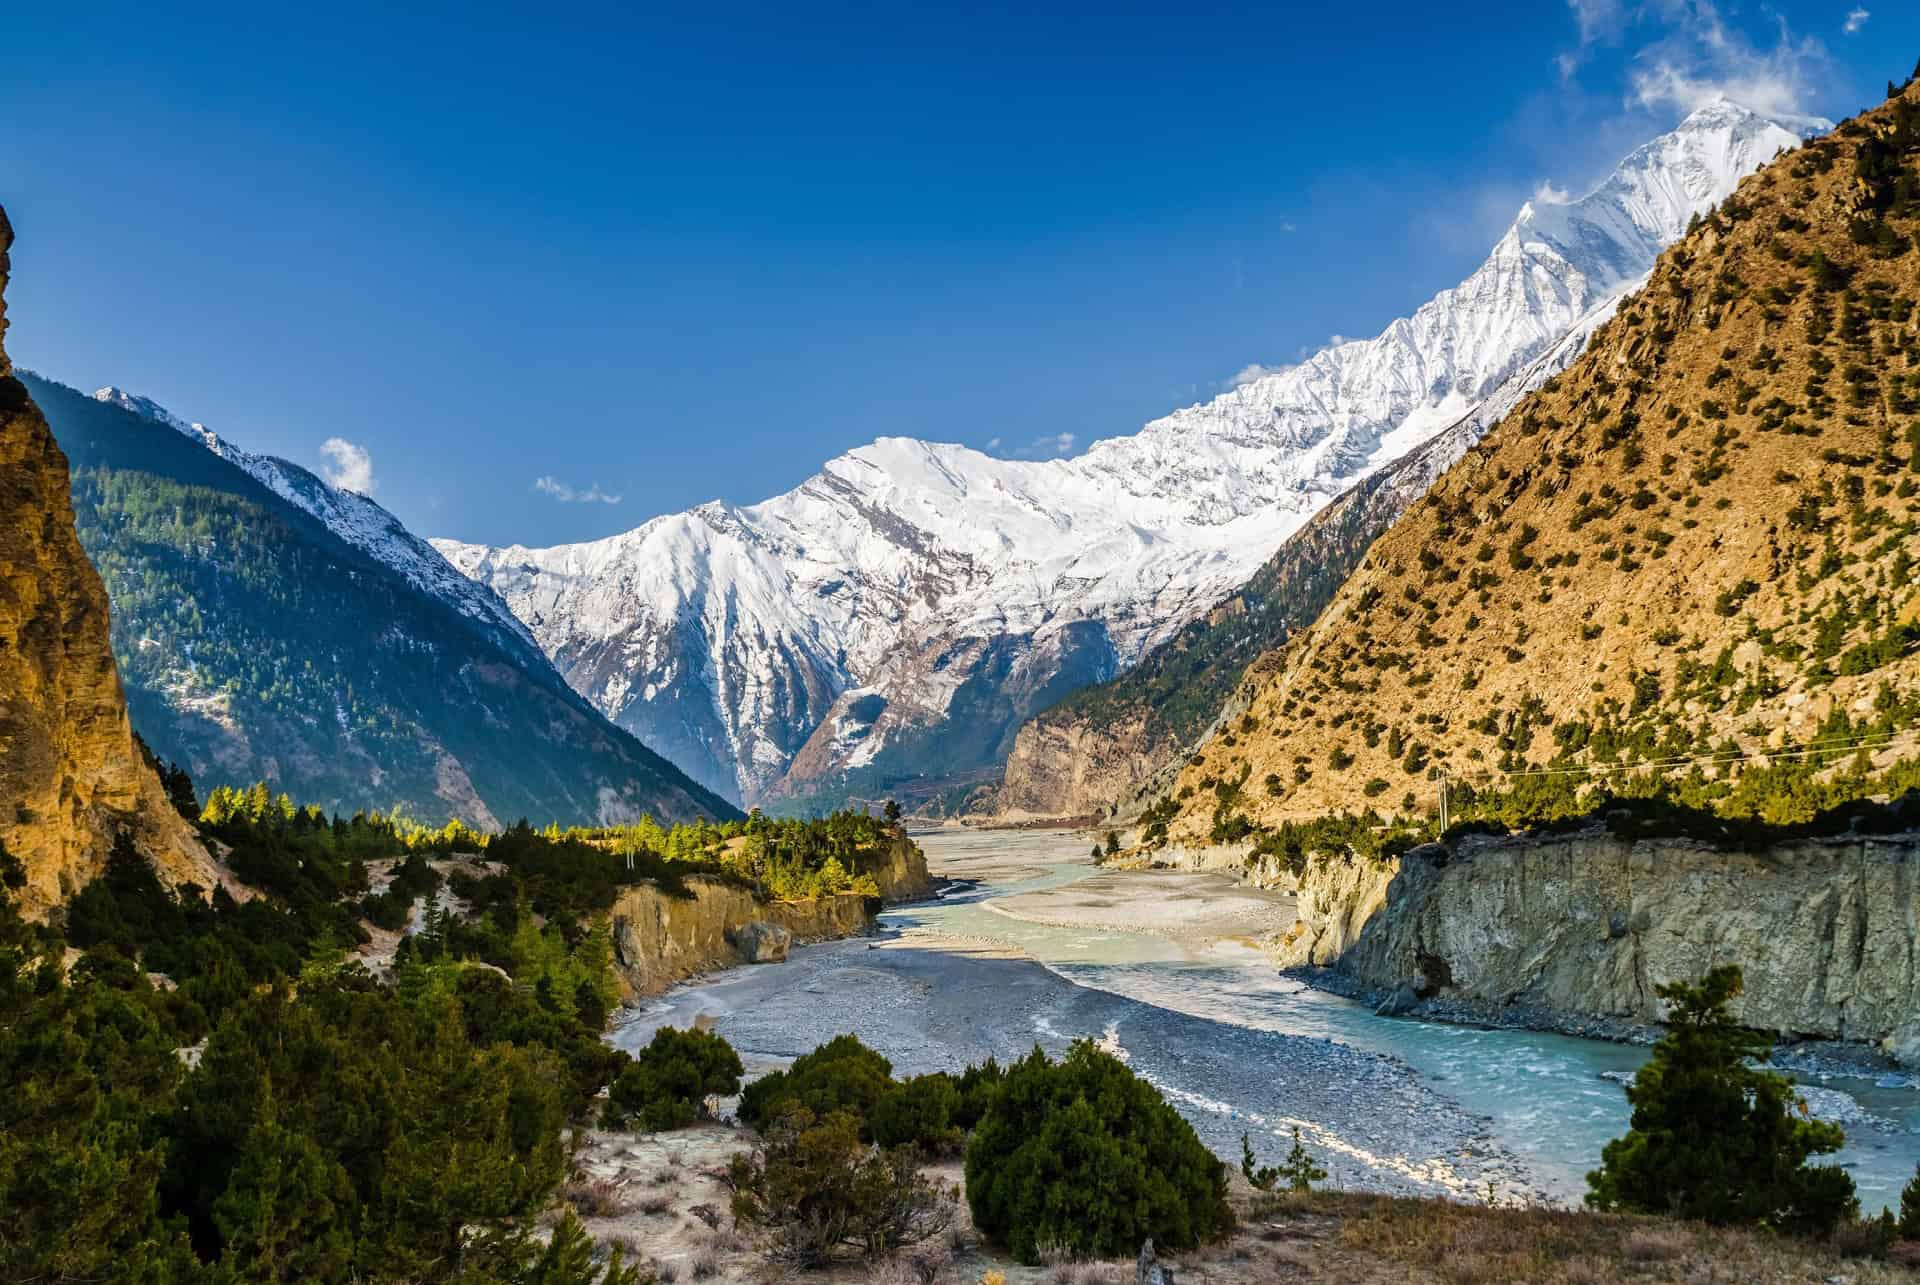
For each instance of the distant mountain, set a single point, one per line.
(71, 775)
(901, 613)
(1694, 549)
(268, 625)
(1105, 747)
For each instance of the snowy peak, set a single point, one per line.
(353, 517)
(901, 611)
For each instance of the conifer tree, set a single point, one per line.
(1713, 1136)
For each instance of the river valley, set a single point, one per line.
(1165, 969)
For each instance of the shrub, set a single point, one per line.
(1715, 1138)
(977, 1086)
(919, 1113)
(1910, 1208)
(819, 1190)
(1085, 1156)
(841, 1075)
(666, 1087)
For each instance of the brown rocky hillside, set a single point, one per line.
(71, 776)
(1700, 539)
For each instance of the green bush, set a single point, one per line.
(919, 1113)
(819, 1191)
(1714, 1137)
(841, 1075)
(977, 1085)
(667, 1085)
(1084, 1156)
(1910, 1208)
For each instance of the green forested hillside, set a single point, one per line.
(256, 644)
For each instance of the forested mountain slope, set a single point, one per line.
(71, 775)
(1700, 540)
(257, 642)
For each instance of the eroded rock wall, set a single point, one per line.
(659, 940)
(71, 777)
(1827, 931)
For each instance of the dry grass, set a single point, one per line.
(595, 1197)
(1472, 1245)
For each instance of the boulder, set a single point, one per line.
(761, 942)
(1404, 999)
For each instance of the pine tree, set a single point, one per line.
(1714, 1137)
(1261, 1176)
(1910, 1208)
(1299, 1169)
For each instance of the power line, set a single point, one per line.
(1836, 747)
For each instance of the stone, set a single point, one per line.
(761, 942)
(1403, 1000)
(1148, 1269)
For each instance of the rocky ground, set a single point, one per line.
(1194, 909)
(660, 1198)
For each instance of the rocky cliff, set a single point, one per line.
(71, 777)
(1552, 929)
(659, 940)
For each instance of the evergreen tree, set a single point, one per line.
(1910, 1208)
(1715, 1137)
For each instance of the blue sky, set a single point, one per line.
(673, 254)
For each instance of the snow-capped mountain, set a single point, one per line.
(902, 611)
(353, 517)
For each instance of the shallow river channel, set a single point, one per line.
(1162, 970)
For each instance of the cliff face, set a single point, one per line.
(903, 875)
(659, 940)
(1066, 763)
(1586, 925)
(71, 777)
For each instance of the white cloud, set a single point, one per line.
(1598, 19)
(348, 466)
(1251, 371)
(560, 491)
(993, 443)
(1047, 447)
(1701, 59)
(1548, 194)
(1855, 20)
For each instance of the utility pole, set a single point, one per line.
(1446, 821)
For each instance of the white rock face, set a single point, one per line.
(902, 611)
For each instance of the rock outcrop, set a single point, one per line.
(71, 776)
(659, 940)
(760, 942)
(902, 873)
(1585, 925)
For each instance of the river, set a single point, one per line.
(1159, 969)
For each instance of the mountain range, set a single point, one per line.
(897, 617)
(270, 626)
(1691, 554)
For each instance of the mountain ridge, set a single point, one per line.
(899, 614)
(271, 627)
(1694, 546)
